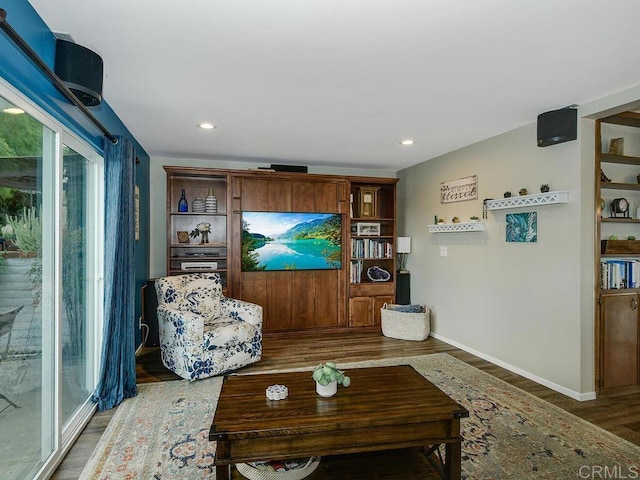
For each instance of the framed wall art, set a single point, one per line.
(522, 227)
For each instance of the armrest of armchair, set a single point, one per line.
(241, 310)
(181, 324)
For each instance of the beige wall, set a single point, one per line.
(516, 303)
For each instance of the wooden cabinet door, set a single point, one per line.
(378, 303)
(360, 314)
(619, 337)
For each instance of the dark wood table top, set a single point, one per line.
(377, 396)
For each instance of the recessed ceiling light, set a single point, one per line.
(13, 110)
(206, 126)
(408, 141)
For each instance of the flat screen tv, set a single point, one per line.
(291, 241)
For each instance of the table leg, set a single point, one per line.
(453, 461)
(223, 472)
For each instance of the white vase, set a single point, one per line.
(328, 390)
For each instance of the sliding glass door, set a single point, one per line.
(50, 287)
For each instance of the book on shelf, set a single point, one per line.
(355, 272)
(370, 248)
(617, 274)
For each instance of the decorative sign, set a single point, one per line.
(459, 190)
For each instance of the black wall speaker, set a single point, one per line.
(289, 168)
(81, 71)
(557, 126)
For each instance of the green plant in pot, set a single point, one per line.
(327, 376)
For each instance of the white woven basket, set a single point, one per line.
(405, 326)
(252, 473)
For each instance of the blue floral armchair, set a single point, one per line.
(203, 333)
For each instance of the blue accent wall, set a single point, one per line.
(19, 71)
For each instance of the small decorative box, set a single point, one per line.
(277, 392)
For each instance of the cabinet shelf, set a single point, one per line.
(198, 245)
(534, 200)
(371, 219)
(629, 119)
(619, 220)
(622, 159)
(619, 186)
(457, 227)
(198, 214)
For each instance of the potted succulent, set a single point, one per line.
(474, 218)
(327, 376)
(507, 194)
(544, 188)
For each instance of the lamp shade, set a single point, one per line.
(403, 245)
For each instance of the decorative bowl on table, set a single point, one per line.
(292, 469)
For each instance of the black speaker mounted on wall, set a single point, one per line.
(557, 126)
(81, 71)
(290, 168)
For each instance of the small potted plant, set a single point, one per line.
(523, 191)
(474, 218)
(327, 376)
(544, 188)
(507, 194)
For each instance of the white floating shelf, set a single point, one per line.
(456, 227)
(535, 200)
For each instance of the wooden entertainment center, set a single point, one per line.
(349, 297)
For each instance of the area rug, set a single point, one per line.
(162, 433)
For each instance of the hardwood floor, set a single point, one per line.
(618, 415)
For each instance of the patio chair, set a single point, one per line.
(6, 326)
(202, 332)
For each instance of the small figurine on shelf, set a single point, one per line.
(507, 194)
(523, 191)
(203, 229)
(455, 220)
(544, 188)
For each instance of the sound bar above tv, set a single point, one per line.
(289, 168)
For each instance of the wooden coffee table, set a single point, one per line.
(385, 408)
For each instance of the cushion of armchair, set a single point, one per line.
(230, 334)
(191, 292)
(241, 310)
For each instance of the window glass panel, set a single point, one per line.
(78, 280)
(27, 304)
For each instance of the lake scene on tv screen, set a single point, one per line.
(291, 241)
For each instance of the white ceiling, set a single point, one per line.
(341, 82)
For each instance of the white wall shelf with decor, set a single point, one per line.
(535, 200)
(457, 227)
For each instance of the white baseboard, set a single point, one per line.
(581, 397)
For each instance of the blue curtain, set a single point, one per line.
(118, 367)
